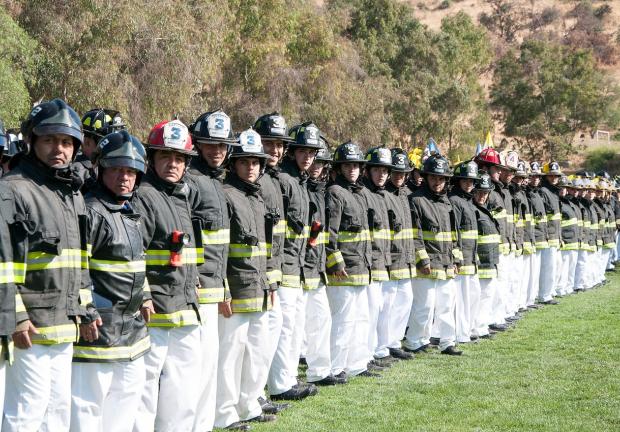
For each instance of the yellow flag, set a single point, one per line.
(488, 141)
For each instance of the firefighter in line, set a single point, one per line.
(172, 237)
(213, 138)
(317, 326)
(539, 234)
(570, 230)
(437, 259)
(305, 142)
(488, 249)
(244, 322)
(108, 373)
(348, 262)
(380, 295)
(467, 284)
(50, 246)
(402, 269)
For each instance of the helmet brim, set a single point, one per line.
(401, 170)
(153, 148)
(249, 155)
(437, 174)
(286, 139)
(388, 166)
(228, 141)
(52, 129)
(123, 162)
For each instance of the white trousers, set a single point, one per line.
(591, 269)
(548, 270)
(242, 366)
(484, 317)
(581, 270)
(349, 335)
(567, 273)
(106, 396)
(38, 389)
(375, 303)
(558, 269)
(2, 381)
(433, 301)
(283, 371)
(501, 292)
(467, 305)
(317, 327)
(274, 328)
(210, 343)
(384, 338)
(523, 280)
(401, 309)
(605, 257)
(514, 267)
(172, 387)
(534, 279)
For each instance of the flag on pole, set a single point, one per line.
(432, 147)
(478, 148)
(488, 142)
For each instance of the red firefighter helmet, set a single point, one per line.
(488, 156)
(171, 135)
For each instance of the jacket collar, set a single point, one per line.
(179, 188)
(41, 173)
(290, 167)
(249, 188)
(201, 165)
(353, 187)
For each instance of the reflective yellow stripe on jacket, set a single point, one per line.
(334, 259)
(55, 334)
(469, 235)
(441, 236)
(351, 280)
(487, 273)
(568, 222)
(175, 319)
(117, 266)
(236, 250)
(156, 257)
(350, 236)
(97, 353)
(215, 237)
(292, 235)
(68, 258)
(12, 272)
(399, 274)
(489, 239)
(247, 305)
(211, 295)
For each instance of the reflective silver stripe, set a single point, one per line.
(55, 334)
(156, 257)
(117, 266)
(175, 319)
(68, 258)
(112, 353)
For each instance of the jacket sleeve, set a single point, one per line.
(421, 256)
(334, 260)
(147, 229)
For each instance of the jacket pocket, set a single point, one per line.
(41, 300)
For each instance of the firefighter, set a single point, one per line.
(539, 234)
(468, 286)
(488, 245)
(380, 295)
(172, 238)
(570, 231)
(96, 123)
(402, 253)
(593, 239)
(512, 269)
(609, 242)
(273, 131)
(304, 144)
(348, 261)
(8, 267)
(108, 373)
(550, 258)
(575, 195)
(244, 323)
(437, 260)
(318, 318)
(51, 242)
(522, 242)
(213, 137)
(489, 160)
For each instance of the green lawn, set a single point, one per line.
(558, 370)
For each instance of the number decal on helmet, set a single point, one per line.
(219, 125)
(175, 133)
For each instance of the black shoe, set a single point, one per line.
(270, 407)
(295, 393)
(498, 327)
(330, 380)
(381, 363)
(474, 338)
(422, 349)
(398, 353)
(550, 302)
(374, 367)
(534, 306)
(312, 389)
(263, 418)
(369, 374)
(302, 361)
(434, 341)
(452, 351)
(488, 336)
(238, 426)
(342, 376)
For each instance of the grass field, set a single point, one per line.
(557, 370)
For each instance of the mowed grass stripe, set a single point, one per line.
(558, 370)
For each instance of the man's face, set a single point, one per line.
(350, 171)
(535, 181)
(436, 183)
(275, 150)
(169, 166)
(213, 154)
(54, 150)
(379, 175)
(247, 168)
(316, 169)
(480, 197)
(398, 178)
(495, 173)
(119, 180)
(417, 178)
(562, 192)
(466, 185)
(304, 158)
(88, 147)
(506, 175)
(553, 179)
